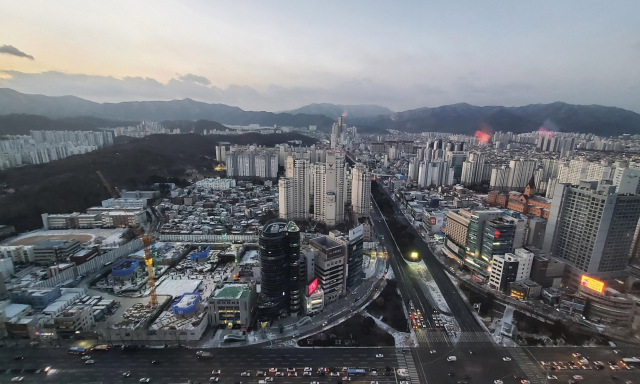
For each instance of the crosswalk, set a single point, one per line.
(534, 373)
(405, 361)
(435, 336)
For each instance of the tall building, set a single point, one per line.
(361, 191)
(355, 252)
(280, 271)
(497, 239)
(520, 172)
(510, 267)
(330, 267)
(329, 189)
(294, 190)
(592, 229)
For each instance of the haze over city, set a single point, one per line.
(280, 55)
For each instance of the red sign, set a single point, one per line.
(432, 220)
(496, 234)
(313, 286)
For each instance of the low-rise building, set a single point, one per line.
(232, 305)
(20, 254)
(53, 251)
(36, 297)
(71, 320)
(609, 306)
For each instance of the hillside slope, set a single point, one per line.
(336, 110)
(71, 184)
(21, 124)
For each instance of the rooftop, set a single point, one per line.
(232, 291)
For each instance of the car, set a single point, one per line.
(379, 355)
(432, 351)
(306, 374)
(374, 382)
(295, 374)
(314, 382)
(577, 377)
(334, 374)
(586, 367)
(552, 377)
(215, 372)
(309, 369)
(261, 374)
(89, 361)
(325, 323)
(291, 370)
(614, 367)
(155, 361)
(576, 354)
(268, 379)
(506, 359)
(245, 374)
(144, 380)
(497, 381)
(199, 353)
(574, 366)
(523, 381)
(561, 367)
(86, 357)
(46, 369)
(17, 379)
(279, 374)
(19, 357)
(273, 370)
(214, 379)
(126, 374)
(544, 363)
(346, 378)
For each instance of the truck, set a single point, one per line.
(356, 371)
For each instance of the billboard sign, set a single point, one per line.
(356, 232)
(313, 286)
(433, 220)
(592, 284)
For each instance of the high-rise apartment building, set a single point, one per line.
(361, 191)
(329, 189)
(280, 271)
(355, 251)
(294, 190)
(591, 228)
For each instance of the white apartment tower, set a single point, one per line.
(293, 190)
(361, 191)
(329, 188)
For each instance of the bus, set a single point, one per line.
(356, 371)
(631, 360)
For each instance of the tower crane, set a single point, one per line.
(112, 191)
(148, 260)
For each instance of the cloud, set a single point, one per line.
(191, 78)
(11, 50)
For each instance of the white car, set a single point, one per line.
(577, 377)
(144, 380)
(86, 357)
(126, 374)
(268, 379)
(379, 355)
(306, 374)
(374, 382)
(245, 374)
(89, 361)
(215, 372)
(497, 381)
(308, 369)
(17, 378)
(214, 378)
(552, 377)
(273, 370)
(506, 359)
(432, 351)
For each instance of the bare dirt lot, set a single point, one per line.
(33, 240)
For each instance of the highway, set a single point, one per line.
(459, 308)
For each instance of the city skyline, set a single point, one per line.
(276, 57)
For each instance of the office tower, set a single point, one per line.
(279, 270)
(330, 263)
(328, 197)
(591, 228)
(354, 257)
(497, 239)
(361, 191)
(294, 191)
(520, 172)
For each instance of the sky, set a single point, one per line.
(280, 55)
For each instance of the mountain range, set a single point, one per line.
(336, 110)
(457, 118)
(70, 106)
(466, 119)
